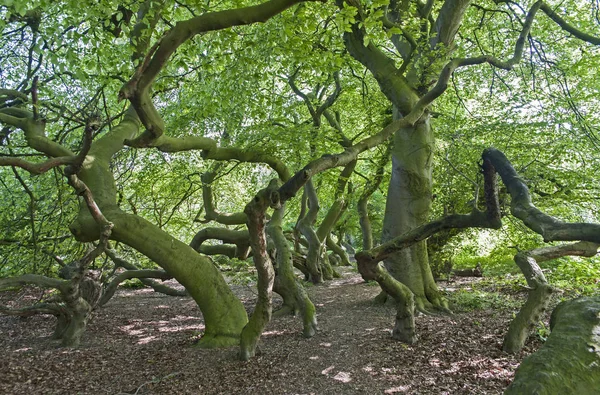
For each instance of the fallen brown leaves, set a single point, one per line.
(143, 342)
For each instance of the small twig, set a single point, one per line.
(155, 380)
(34, 98)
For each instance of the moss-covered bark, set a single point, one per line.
(255, 211)
(536, 304)
(295, 298)
(338, 250)
(223, 313)
(315, 246)
(569, 361)
(408, 206)
(404, 330)
(370, 188)
(539, 289)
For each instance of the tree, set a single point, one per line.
(424, 39)
(194, 271)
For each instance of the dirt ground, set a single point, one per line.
(142, 342)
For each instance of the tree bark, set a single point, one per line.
(569, 361)
(295, 298)
(408, 206)
(255, 211)
(194, 271)
(370, 188)
(339, 251)
(315, 246)
(404, 330)
(540, 290)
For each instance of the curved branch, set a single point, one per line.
(41, 308)
(304, 97)
(404, 330)
(241, 238)
(209, 205)
(567, 27)
(37, 168)
(539, 289)
(489, 219)
(293, 293)
(34, 130)
(333, 97)
(157, 287)
(35, 279)
(110, 290)
(230, 251)
(136, 90)
(550, 228)
(212, 151)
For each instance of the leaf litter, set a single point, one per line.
(142, 342)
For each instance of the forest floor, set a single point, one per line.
(142, 342)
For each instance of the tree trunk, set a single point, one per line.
(224, 315)
(80, 310)
(295, 298)
(339, 251)
(569, 361)
(365, 223)
(256, 222)
(315, 246)
(408, 206)
(195, 272)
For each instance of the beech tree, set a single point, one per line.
(428, 42)
(180, 85)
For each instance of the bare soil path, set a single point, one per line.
(143, 343)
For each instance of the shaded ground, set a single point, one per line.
(142, 341)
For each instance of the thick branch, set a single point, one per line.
(489, 219)
(136, 90)
(567, 27)
(37, 168)
(212, 151)
(295, 298)
(35, 279)
(391, 81)
(550, 228)
(40, 308)
(448, 21)
(241, 238)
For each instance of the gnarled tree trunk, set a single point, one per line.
(408, 206)
(295, 298)
(569, 361)
(194, 271)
